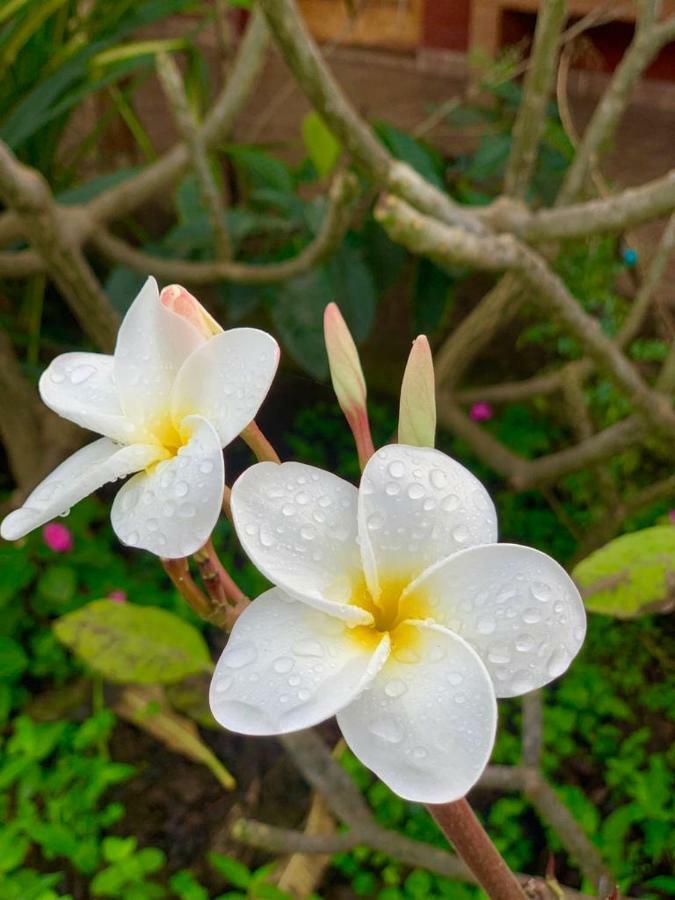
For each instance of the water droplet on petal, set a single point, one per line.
(415, 491)
(541, 591)
(395, 688)
(223, 684)
(307, 647)
(486, 625)
(396, 469)
(558, 662)
(388, 729)
(240, 656)
(181, 489)
(283, 664)
(81, 373)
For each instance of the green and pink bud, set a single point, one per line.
(417, 411)
(347, 378)
(181, 302)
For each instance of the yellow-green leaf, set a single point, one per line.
(631, 576)
(132, 644)
(323, 148)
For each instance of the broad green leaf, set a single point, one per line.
(17, 572)
(418, 156)
(231, 869)
(631, 576)
(355, 291)
(13, 660)
(297, 313)
(260, 169)
(322, 146)
(147, 708)
(132, 644)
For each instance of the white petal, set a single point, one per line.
(152, 344)
(516, 606)
(79, 475)
(172, 510)
(227, 380)
(298, 525)
(81, 387)
(288, 666)
(416, 506)
(426, 725)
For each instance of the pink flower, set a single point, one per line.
(57, 537)
(118, 596)
(481, 412)
(671, 516)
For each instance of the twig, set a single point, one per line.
(258, 443)
(174, 89)
(539, 79)
(218, 582)
(332, 230)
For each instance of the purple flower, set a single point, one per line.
(481, 412)
(57, 537)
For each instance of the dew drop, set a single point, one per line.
(455, 678)
(294, 680)
(541, 591)
(438, 478)
(206, 467)
(406, 655)
(283, 664)
(499, 653)
(169, 508)
(558, 662)
(531, 616)
(419, 753)
(265, 535)
(304, 694)
(396, 469)
(187, 510)
(307, 533)
(132, 537)
(81, 373)
(240, 656)
(181, 489)
(58, 376)
(307, 647)
(415, 491)
(388, 729)
(486, 625)
(395, 688)
(223, 684)
(375, 521)
(450, 503)
(524, 643)
(460, 533)
(391, 488)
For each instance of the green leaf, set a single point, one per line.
(355, 291)
(132, 644)
(297, 313)
(417, 155)
(322, 146)
(432, 296)
(231, 869)
(57, 585)
(13, 660)
(260, 169)
(17, 572)
(631, 576)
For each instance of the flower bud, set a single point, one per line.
(481, 412)
(417, 411)
(181, 302)
(343, 358)
(58, 537)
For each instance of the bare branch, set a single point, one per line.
(533, 725)
(26, 191)
(537, 88)
(317, 82)
(172, 82)
(648, 40)
(329, 236)
(20, 264)
(20, 420)
(124, 198)
(448, 245)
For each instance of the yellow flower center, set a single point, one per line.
(390, 611)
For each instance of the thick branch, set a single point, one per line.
(648, 41)
(449, 245)
(328, 238)
(172, 82)
(28, 194)
(20, 420)
(537, 88)
(317, 82)
(124, 198)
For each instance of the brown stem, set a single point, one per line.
(219, 584)
(261, 447)
(360, 428)
(459, 824)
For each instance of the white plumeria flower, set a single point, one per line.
(395, 609)
(177, 390)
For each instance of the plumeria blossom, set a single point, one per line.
(176, 391)
(394, 608)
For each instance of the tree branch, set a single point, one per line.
(332, 230)
(174, 89)
(537, 88)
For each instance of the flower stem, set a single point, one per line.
(360, 427)
(459, 824)
(261, 447)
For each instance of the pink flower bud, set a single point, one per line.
(57, 537)
(481, 412)
(118, 596)
(343, 358)
(181, 302)
(417, 411)
(671, 516)
(347, 377)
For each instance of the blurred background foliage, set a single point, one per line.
(99, 800)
